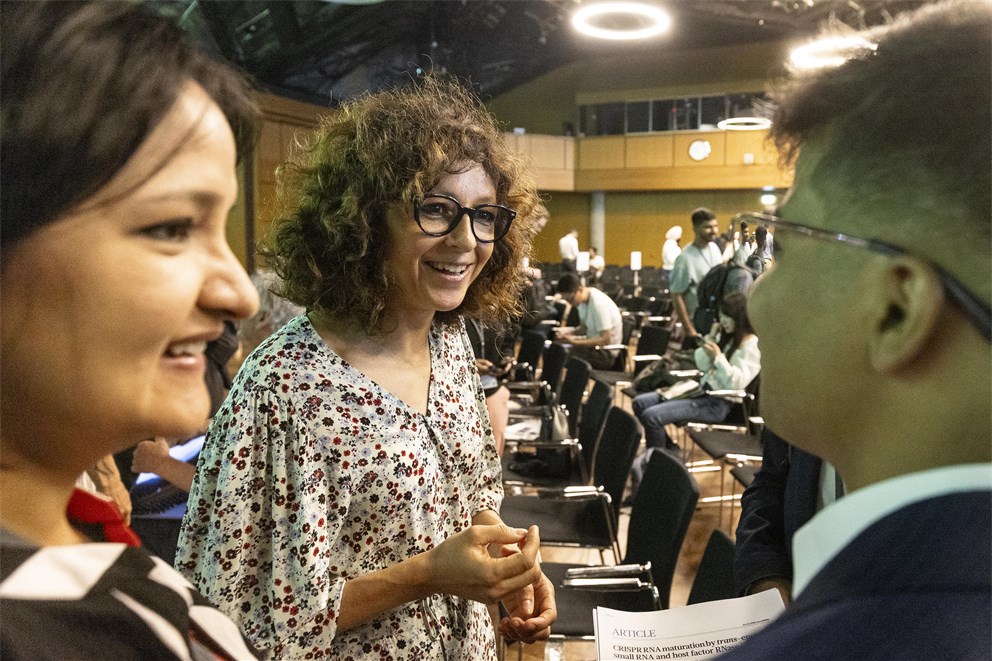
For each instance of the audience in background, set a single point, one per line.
(596, 266)
(671, 250)
(600, 328)
(568, 248)
(692, 264)
(729, 358)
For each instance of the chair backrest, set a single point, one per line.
(660, 518)
(615, 454)
(715, 576)
(531, 349)
(573, 387)
(739, 414)
(653, 339)
(633, 303)
(592, 419)
(553, 364)
(628, 325)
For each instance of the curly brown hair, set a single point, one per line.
(380, 151)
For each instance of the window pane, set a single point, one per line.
(714, 111)
(638, 115)
(610, 118)
(686, 114)
(661, 115)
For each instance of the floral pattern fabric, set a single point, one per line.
(312, 474)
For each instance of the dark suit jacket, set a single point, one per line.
(915, 586)
(780, 500)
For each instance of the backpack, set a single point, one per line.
(712, 289)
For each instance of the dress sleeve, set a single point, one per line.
(265, 511)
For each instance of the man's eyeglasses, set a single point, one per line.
(437, 215)
(976, 310)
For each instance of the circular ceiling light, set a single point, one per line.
(744, 124)
(621, 21)
(830, 52)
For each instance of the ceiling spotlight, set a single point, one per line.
(621, 21)
(830, 52)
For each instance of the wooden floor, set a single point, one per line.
(708, 516)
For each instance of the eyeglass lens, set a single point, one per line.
(440, 215)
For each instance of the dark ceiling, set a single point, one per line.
(325, 51)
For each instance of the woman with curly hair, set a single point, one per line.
(345, 505)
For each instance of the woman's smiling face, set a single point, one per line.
(107, 310)
(432, 274)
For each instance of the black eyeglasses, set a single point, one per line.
(437, 215)
(974, 308)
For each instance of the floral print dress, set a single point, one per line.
(312, 474)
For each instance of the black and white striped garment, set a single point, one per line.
(105, 601)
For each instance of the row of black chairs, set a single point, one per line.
(581, 506)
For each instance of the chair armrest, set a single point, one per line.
(543, 443)
(524, 385)
(699, 426)
(608, 571)
(612, 346)
(659, 320)
(605, 584)
(646, 357)
(577, 491)
(686, 374)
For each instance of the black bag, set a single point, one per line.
(655, 375)
(554, 424)
(547, 462)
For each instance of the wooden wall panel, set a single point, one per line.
(755, 143)
(650, 151)
(602, 153)
(701, 178)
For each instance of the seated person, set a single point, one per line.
(600, 323)
(729, 359)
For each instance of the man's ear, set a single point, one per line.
(909, 304)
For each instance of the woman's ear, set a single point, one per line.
(908, 310)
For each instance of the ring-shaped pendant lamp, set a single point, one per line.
(744, 124)
(659, 19)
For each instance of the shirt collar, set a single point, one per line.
(835, 526)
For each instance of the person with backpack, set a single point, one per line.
(729, 358)
(692, 264)
(719, 281)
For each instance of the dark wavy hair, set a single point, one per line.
(84, 84)
(380, 151)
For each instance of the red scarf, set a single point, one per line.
(93, 509)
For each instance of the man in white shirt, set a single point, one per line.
(692, 265)
(600, 323)
(596, 266)
(568, 247)
(876, 353)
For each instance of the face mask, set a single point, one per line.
(726, 323)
